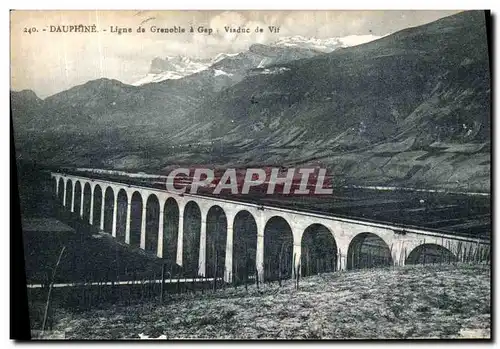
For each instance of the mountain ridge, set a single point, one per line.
(411, 108)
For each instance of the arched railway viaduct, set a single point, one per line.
(210, 234)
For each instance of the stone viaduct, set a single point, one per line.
(185, 227)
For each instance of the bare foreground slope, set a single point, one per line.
(430, 301)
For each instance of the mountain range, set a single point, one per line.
(177, 67)
(408, 109)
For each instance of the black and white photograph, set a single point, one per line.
(252, 174)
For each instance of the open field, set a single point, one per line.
(431, 301)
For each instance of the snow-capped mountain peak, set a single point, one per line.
(324, 45)
(173, 67)
(221, 56)
(177, 67)
(218, 72)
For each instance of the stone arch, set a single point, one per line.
(121, 214)
(69, 193)
(278, 249)
(368, 250)
(430, 254)
(96, 210)
(152, 223)
(191, 238)
(215, 246)
(87, 196)
(55, 191)
(78, 197)
(244, 246)
(136, 206)
(170, 230)
(318, 250)
(109, 202)
(60, 191)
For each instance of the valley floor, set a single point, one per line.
(431, 301)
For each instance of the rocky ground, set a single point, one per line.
(431, 301)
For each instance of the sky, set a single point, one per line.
(49, 62)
